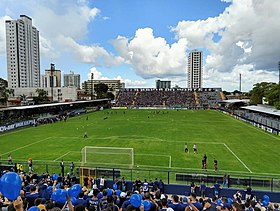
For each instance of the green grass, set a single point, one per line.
(239, 147)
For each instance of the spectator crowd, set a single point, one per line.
(39, 193)
(168, 98)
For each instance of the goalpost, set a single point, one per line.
(108, 155)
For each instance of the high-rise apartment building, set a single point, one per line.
(195, 67)
(23, 57)
(52, 78)
(72, 80)
(163, 84)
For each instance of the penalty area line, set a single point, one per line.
(36, 142)
(63, 155)
(238, 158)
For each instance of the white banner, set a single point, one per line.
(16, 125)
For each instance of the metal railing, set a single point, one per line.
(257, 182)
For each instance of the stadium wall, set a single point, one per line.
(256, 124)
(186, 189)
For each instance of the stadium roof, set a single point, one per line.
(235, 101)
(48, 105)
(263, 109)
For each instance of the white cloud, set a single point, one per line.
(152, 56)
(53, 24)
(97, 75)
(230, 80)
(93, 54)
(249, 36)
(3, 34)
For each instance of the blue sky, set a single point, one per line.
(145, 40)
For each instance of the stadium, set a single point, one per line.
(139, 105)
(144, 134)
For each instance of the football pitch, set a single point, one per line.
(157, 138)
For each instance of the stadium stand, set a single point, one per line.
(169, 98)
(261, 116)
(14, 117)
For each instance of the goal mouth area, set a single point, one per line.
(107, 155)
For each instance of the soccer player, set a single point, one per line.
(215, 165)
(186, 148)
(85, 135)
(204, 162)
(195, 149)
(205, 158)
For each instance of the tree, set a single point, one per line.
(258, 92)
(268, 90)
(236, 92)
(226, 92)
(110, 95)
(277, 105)
(101, 88)
(42, 96)
(4, 92)
(272, 94)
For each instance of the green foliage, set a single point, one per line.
(100, 88)
(4, 91)
(226, 92)
(102, 91)
(110, 95)
(272, 94)
(277, 105)
(236, 92)
(42, 96)
(3, 83)
(260, 90)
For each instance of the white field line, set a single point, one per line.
(151, 139)
(15, 131)
(8, 133)
(238, 158)
(117, 164)
(25, 146)
(62, 155)
(155, 155)
(48, 161)
(110, 153)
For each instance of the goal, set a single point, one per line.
(107, 155)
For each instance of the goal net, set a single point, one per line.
(107, 155)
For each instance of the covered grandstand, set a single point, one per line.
(262, 116)
(20, 116)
